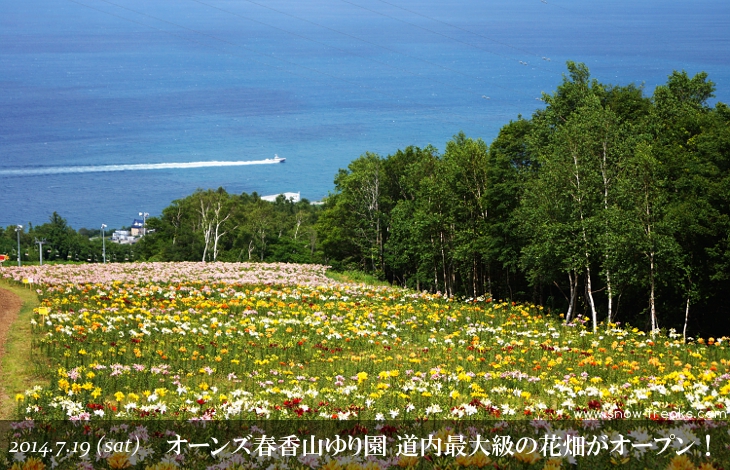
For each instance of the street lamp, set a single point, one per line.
(103, 243)
(144, 216)
(18, 229)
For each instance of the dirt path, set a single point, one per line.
(9, 308)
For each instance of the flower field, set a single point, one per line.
(282, 343)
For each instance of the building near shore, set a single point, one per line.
(137, 228)
(293, 197)
(123, 237)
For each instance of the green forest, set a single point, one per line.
(606, 205)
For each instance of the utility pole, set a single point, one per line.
(103, 243)
(144, 216)
(18, 229)
(40, 248)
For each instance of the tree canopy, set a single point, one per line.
(606, 204)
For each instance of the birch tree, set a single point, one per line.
(214, 213)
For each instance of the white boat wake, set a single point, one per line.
(53, 170)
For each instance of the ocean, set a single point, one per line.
(111, 108)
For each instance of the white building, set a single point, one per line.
(293, 197)
(123, 237)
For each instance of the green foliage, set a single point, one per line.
(213, 225)
(356, 277)
(62, 244)
(606, 202)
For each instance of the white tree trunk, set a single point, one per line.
(652, 274)
(300, 219)
(579, 200)
(251, 249)
(606, 184)
(686, 320)
(654, 321)
(610, 296)
(573, 288)
(594, 315)
(218, 232)
(205, 226)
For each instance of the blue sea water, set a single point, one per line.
(90, 83)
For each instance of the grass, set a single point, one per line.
(357, 277)
(17, 376)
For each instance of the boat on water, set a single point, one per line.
(276, 159)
